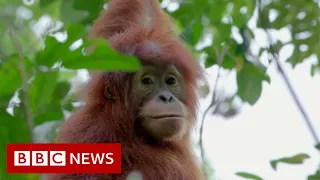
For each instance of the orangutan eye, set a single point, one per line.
(171, 80)
(147, 80)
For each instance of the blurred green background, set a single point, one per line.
(42, 65)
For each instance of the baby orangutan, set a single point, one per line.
(150, 112)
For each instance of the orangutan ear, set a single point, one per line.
(108, 93)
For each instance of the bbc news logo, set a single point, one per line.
(39, 158)
(64, 158)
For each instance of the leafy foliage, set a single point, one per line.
(315, 176)
(302, 18)
(248, 176)
(297, 159)
(250, 83)
(317, 146)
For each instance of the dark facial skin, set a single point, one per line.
(163, 115)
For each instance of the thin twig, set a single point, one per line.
(220, 58)
(212, 103)
(24, 85)
(289, 85)
(293, 93)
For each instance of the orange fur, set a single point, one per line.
(140, 28)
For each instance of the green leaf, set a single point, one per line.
(44, 3)
(277, 46)
(12, 130)
(49, 113)
(228, 61)
(192, 32)
(42, 89)
(248, 176)
(297, 159)
(76, 11)
(221, 33)
(315, 176)
(239, 19)
(93, 8)
(297, 57)
(185, 11)
(216, 11)
(211, 58)
(68, 105)
(249, 81)
(102, 58)
(9, 125)
(314, 69)
(4, 100)
(11, 80)
(75, 32)
(52, 52)
(41, 7)
(61, 90)
(46, 95)
(71, 15)
(55, 50)
(67, 75)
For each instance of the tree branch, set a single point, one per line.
(293, 93)
(288, 83)
(220, 58)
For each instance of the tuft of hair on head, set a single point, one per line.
(122, 15)
(152, 15)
